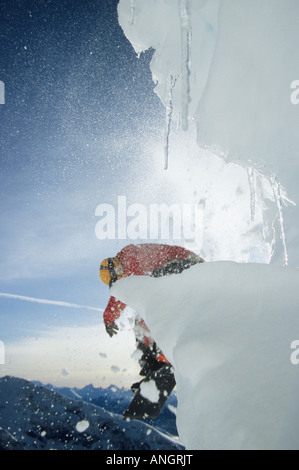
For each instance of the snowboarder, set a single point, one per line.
(148, 259)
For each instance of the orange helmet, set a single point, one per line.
(110, 271)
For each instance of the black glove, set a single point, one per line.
(112, 329)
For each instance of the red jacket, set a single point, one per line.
(142, 260)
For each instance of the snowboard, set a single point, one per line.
(142, 407)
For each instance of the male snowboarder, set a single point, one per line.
(148, 259)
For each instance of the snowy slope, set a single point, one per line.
(116, 400)
(34, 417)
(228, 329)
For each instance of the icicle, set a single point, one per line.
(132, 19)
(185, 19)
(169, 109)
(252, 191)
(278, 198)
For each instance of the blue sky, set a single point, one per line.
(78, 105)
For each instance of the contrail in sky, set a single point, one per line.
(49, 302)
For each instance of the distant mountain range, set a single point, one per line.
(116, 400)
(36, 416)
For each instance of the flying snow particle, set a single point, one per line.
(81, 426)
(149, 390)
(64, 372)
(136, 355)
(115, 369)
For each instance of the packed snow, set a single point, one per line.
(228, 329)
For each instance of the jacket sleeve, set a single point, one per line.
(113, 310)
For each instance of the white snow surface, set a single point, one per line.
(232, 68)
(228, 330)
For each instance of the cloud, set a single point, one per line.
(73, 356)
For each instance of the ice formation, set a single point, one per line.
(234, 67)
